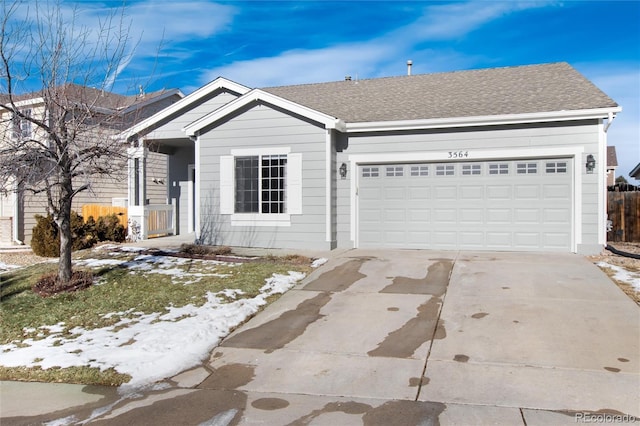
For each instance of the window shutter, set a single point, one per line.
(294, 183)
(226, 184)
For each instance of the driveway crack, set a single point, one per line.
(435, 329)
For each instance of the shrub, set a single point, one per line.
(109, 228)
(202, 250)
(45, 240)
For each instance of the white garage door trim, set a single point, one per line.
(575, 153)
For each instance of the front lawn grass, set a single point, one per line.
(141, 285)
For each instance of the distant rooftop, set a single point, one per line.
(95, 97)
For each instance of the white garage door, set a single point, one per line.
(522, 205)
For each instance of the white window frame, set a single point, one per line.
(293, 188)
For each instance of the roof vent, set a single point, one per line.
(409, 64)
(347, 78)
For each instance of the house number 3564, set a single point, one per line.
(458, 154)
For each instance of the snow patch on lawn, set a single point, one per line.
(148, 347)
(7, 267)
(623, 275)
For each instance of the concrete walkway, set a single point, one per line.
(401, 337)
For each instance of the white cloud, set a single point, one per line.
(384, 55)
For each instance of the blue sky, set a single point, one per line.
(186, 44)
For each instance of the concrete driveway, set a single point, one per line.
(415, 337)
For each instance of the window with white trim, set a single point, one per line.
(261, 187)
(556, 167)
(527, 168)
(260, 184)
(421, 170)
(498, 168)
(395, 171)
(471, 169)
(445, 170)
(22, 128)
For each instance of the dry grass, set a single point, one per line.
(628, 263)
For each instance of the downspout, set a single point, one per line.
(16, 217)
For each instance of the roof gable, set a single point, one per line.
(257, 95)
(185, 104)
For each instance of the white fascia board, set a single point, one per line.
(257, 95)
(218, 83)
(27, 102)
(489, 120)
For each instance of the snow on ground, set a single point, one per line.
(319, 262)
(624, 275)
(6, 267)
(149, 347)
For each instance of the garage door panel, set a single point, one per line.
(556, 191)
(448, 192)
(445, 216)
(445, 239)
(558, 216)
(527, 216)
(526, 192)
(526, 239)
(395, 216)
(419, 215)
(499, 239)
(471, 216)
(370, 193)
(499, 216)
(472, 239)
(471, 192)
(507, 207)
(395, 193)
(499, 192)
(372, 216)
(555, 239)
(419, 238)
(417, 193)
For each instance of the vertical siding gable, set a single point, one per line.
(173, 128)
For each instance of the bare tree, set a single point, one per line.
(57, 138)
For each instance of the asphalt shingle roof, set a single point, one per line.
(90, 96)
(483, 92)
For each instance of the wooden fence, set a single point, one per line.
(624, 213)
(97, 210)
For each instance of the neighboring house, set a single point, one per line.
(635, 173)
(18, 207)
(612, 165)
(492, 159)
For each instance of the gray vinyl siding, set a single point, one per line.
(173, 129)
(259, 127)
(102, 192)
(579, 134)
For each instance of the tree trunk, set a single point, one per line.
(64, 227)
